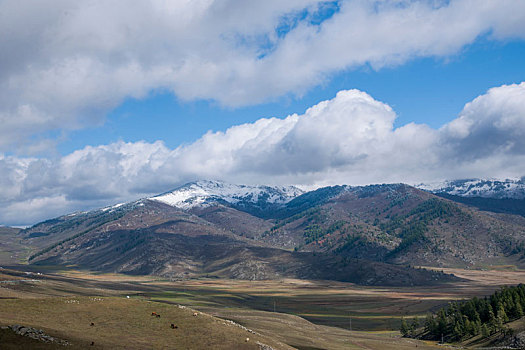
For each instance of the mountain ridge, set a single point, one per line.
(484, 188)
(246, 232)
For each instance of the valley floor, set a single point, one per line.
(283, 314)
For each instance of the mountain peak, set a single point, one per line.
(486, 188)
(205, 192)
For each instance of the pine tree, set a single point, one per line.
(458, 331)
(502, 314)
(519, 310)
(468, 327)
(493, 323)
(476, 317)
(442, 322)
(485, 330)
(404, 328)
(413, 326)
(477, 327)
(430, 325)
(500, 319)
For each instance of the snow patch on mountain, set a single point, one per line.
(509, 188)
(202, 193)
(112, 207)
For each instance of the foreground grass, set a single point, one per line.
(121, 323)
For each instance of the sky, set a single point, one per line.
(109, 101)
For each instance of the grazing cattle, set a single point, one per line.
(92, 343)
(174, 326)
(157, 316)
(92, 324)
(195, 314)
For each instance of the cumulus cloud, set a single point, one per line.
(350, 139)
(65, 64)
(492, 123)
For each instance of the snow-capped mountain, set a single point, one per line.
(205, 192)
(211, 227)
(510, 188)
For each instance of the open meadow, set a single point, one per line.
(283, 314)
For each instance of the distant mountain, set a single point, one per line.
(497, 189)
(208, 228)
(498, 196)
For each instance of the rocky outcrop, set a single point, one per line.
(34, 333)
(264, 346)
(517, 341)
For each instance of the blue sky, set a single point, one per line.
(104, 102)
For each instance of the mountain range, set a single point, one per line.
(371, 235)
(494, 189)
(501, 196)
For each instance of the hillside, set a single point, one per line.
(401, 224)
(366, 234)
(158, 239)
(495, 205)
(11, 249)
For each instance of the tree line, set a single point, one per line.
(466, 319)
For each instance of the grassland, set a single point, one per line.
(127, 324)
(285, 314)
(337, 304)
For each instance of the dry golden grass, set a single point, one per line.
(108, 277)
(121, 323)
(302, 334)
(495, 277)
(42, 304)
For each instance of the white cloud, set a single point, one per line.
(493, 123)
(349, 139)
(65, 64)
